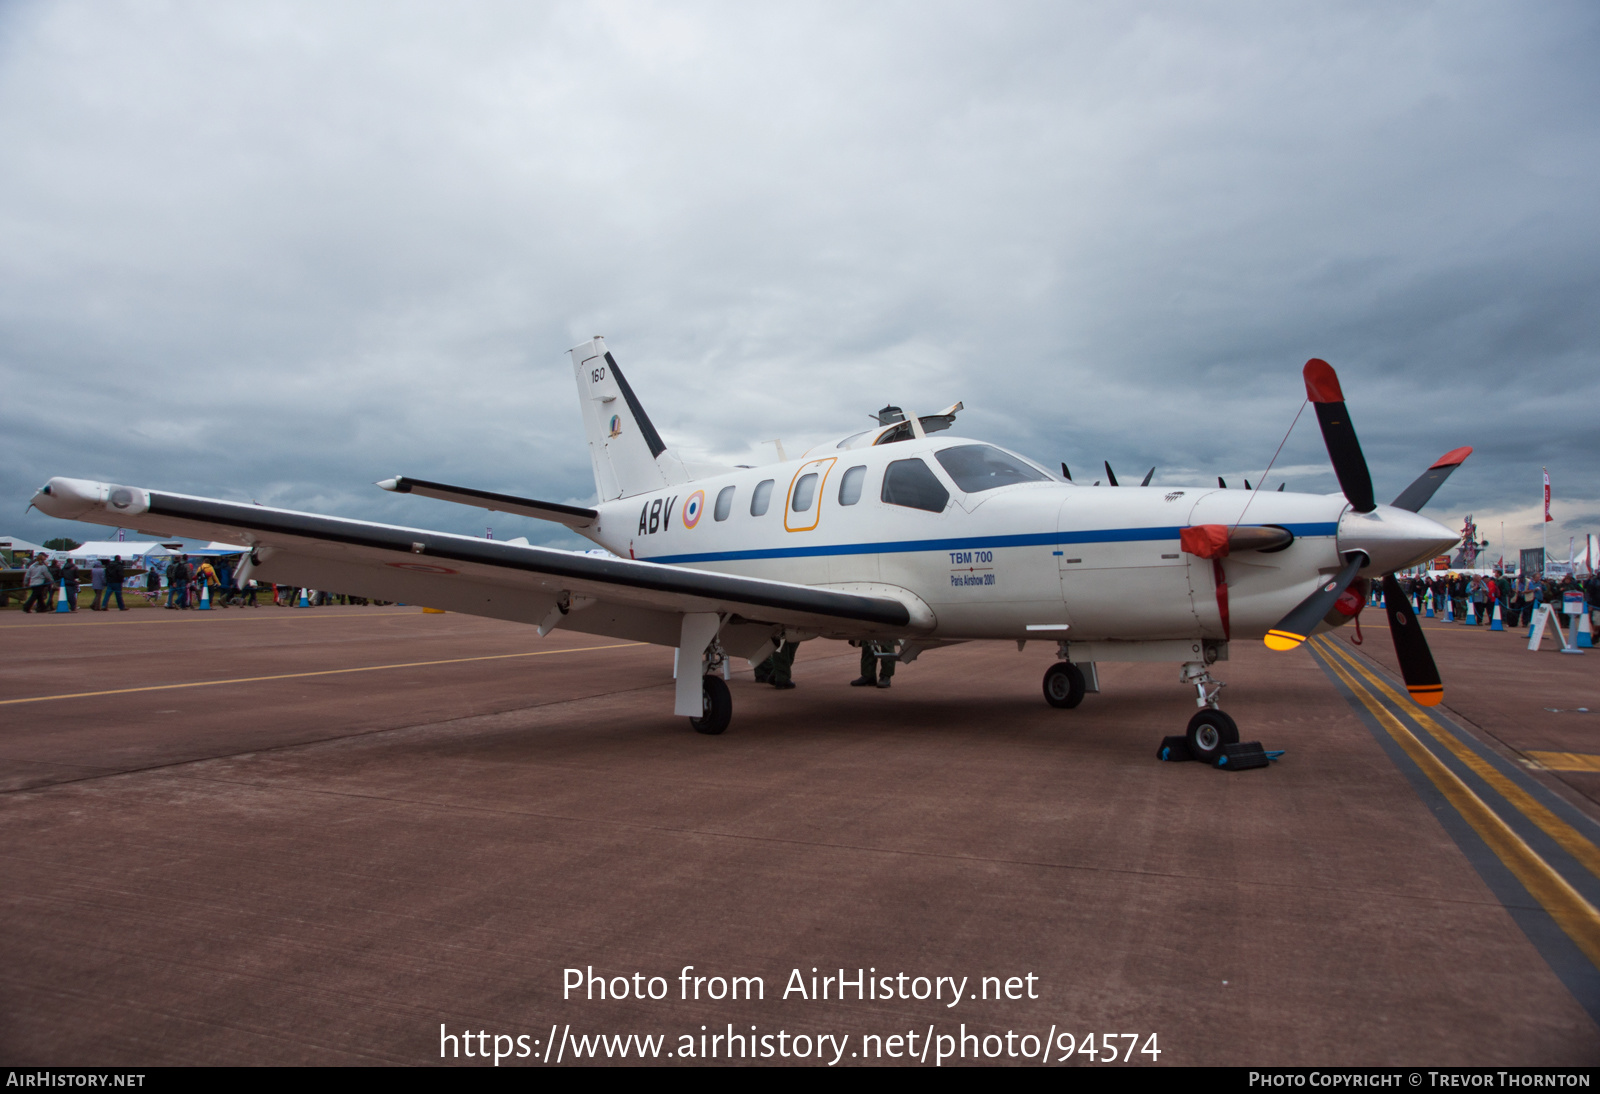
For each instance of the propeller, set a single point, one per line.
(1111, 476)
(1392, 534)
(1415, 496)
(1322, 388)
(1293, 628)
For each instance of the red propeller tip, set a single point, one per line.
(1322, 383)
(1453, 458)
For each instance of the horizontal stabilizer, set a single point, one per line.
(570, 515)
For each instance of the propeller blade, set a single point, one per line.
(1220, 483)
(1067, 474)
(1111, 476)
(1322, 388)
(1415, 496)
(1411, 646)
(1148, 476)
(1293, 628)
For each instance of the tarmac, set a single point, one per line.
(352, 835)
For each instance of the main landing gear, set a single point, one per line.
(717, 706)
(1064, 685)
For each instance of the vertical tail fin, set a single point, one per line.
(629, 456)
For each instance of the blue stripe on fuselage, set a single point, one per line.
(970, 543)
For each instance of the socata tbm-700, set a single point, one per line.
(902, 532)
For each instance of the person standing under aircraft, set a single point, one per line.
(875, 670)
(778, 668)
(97, 582)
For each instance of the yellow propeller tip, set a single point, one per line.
(1427, 696)
(1283, 640)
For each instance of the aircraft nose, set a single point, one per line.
(1393, 538)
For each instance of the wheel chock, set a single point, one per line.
(1174, 750)
(1244, 755)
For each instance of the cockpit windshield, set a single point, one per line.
(978, 467)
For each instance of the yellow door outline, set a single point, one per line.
(825, 466)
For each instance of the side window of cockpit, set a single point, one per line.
(724, 503)
(850, 485)
(912, 484)
(761, 498)
(805, 492)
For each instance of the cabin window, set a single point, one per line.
(978, 467)
(761, 498)
(724, 503)
(911, 483)
(805, 492)
(850, 485)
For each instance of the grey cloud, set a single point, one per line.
(279, 252)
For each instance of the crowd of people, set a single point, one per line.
(1518, 597)
(187, 581)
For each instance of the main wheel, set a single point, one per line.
(1063, 684)
(1208, 731)
(716, 707)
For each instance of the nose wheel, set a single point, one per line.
(1209, 730)
(1064, 685)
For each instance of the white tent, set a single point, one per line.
(106, 548)
(16, 543)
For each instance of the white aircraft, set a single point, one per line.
(902, 533)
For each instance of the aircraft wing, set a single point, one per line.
(625, 598)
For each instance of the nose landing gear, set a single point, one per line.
(1210, 729)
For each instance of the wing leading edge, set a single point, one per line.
(625, 598)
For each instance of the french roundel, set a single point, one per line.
(692, 508)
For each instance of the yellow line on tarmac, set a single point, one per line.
(323, 672)
(1573, 914)
(1569, 839)
(178, 619)
(1565, 761)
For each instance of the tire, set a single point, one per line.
(717, 705)
(1063, 685)
(1209, 731)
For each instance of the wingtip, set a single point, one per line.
(1322, 383)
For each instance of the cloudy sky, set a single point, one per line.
(275, 251)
